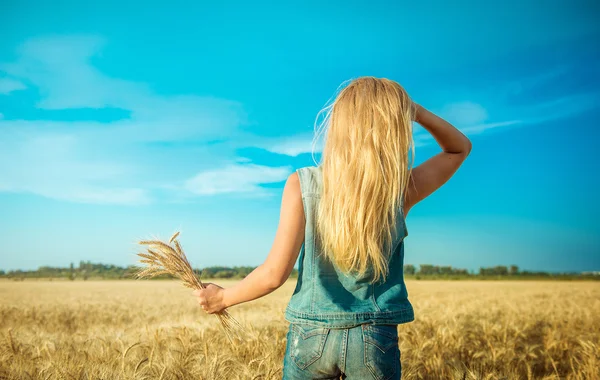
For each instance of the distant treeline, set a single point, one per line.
(427, 271)
(87, 270)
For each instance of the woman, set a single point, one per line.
(346, 220)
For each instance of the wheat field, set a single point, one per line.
(156, 330)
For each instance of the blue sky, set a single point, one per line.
(124, 120)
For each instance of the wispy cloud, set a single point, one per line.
(60, 67)
(96, 162)
(289, 145)
(8, 85)
(50, 165)
(237, 178)
(464, 113)
(497, 109)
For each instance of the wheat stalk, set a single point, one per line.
(162, 258)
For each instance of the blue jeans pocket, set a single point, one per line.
(307, 343)
(382, 354)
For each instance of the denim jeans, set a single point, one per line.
(362, 352)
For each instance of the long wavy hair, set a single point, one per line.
(366, 166)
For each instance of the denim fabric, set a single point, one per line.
(325, 296)
(358, 353)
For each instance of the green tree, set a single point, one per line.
(224, 274)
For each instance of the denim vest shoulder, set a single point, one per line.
(326, 296)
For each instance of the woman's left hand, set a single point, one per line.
(211, 298)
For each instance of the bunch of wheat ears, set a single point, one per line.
(162, 258)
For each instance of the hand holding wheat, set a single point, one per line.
(210, 298)
(163, 258)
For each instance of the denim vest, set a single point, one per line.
(326, 296)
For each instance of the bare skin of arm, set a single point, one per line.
(437, 170)
(275, 270)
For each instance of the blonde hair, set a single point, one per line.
(366, 168)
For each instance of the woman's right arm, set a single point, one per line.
(433, 173)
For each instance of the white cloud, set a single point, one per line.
(60, 67)
(475, 118)
(8, 85)
(95, 162)
(96, 195)
(292, 146)
(565, 106)
(48, 164)
(531, 114)
(237, 178)
(464, 113)
(480, 128)
(289, 145)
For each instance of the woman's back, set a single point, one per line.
(325, 295)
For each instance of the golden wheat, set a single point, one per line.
(150, 330)
(165, 259)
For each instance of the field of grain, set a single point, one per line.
(156, 330)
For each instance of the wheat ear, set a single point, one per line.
(162, 258)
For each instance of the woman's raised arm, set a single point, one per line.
(437, 170)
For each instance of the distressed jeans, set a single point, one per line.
(362, 352)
